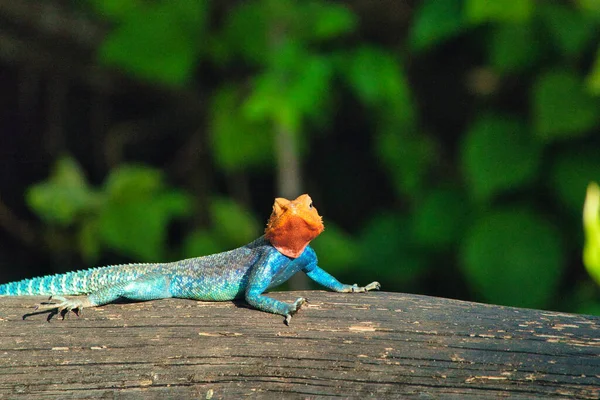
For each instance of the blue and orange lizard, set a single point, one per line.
(246, 272)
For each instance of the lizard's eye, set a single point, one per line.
(310, 205)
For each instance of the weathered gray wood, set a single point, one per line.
(380, 345)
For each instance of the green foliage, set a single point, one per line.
(234, 40)
(388, 249)
(231, 226)
(201, 242)
(436, 21)
(236, 141)
(130, 214)
(337, 249)
(498, 153)
(478, 11)
(64, 196)
(293, 83)
(591, 224)
(294, 88)
(572, 171)
(514, 48)
(137, 211)
(378, 80)
(589, 6)
(233, 223)
(562, 108)
(593, 80)
(571, 30)
(300, 22)
(157, 41)
(117, 10)
(513, 257)
(328, 20)
(440, 218)
(407, 157)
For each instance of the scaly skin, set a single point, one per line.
(246, 272)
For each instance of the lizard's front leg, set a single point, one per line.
(261, 276)
(255, 298)
(322, 277)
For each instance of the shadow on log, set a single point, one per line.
(362, 345)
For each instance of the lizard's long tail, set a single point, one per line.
(70, 283)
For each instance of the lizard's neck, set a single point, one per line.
(292, 225)
(292, 237)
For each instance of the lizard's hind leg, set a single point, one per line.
(61, 305)
(146, 287)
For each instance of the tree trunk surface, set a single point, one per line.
(379, 345)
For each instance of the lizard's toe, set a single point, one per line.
(373, 286)
(370, 286)
(298, 303)
(294, 308)
(61, 305)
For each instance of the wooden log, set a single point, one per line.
(380, 345)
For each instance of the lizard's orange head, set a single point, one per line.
(293, 224)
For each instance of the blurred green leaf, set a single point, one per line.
(513, 257)
(265, 101)
(138, 226)
(513, 48)
(593, 79)
(378, 79)
(201, 243)
(89, 240)
(138, 210)
(591, 225)
(246, 31)
(256, 30)
(303, 81)
(233, 224)
(407, 158)
(478, 11)
(436, 21)
(561, 108)
(582, 298)
(387, 250)
(117, 10)
(130, 182)
(158, 42)
(64, 195)
(236, 142)
(439, 219)
(571, 29)
(592, 7)
(337, 251)
(310, 89)
(327, 20)
(498, 153)
(130, 215)
(589, 308)
(296, 87)
(571, 172)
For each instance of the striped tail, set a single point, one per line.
(70, 283)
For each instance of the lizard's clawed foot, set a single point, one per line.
(60, 305)
(294, 309)
(370, 286)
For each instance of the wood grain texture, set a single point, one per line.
(379, 345)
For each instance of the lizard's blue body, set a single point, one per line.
(246, 272)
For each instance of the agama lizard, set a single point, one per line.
(246, 272)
